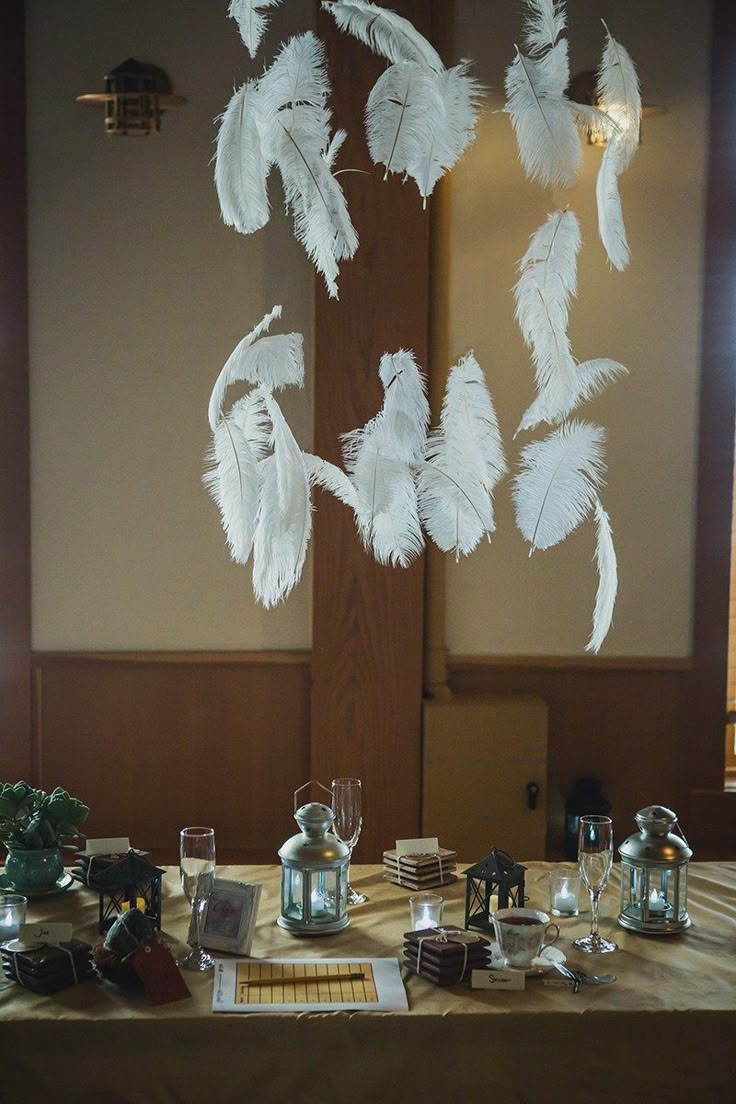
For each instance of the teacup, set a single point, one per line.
(521, 934)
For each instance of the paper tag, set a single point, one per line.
(159, 973)
(428, 846)
(497, 979)
(116, 845)
(45, 933)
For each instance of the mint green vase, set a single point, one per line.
(34, 870)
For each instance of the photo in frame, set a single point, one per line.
(229, 917)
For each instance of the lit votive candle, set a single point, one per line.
(564, 902)
(425, 910)
(657, 904)
(564, 892)
(12, 915)
(139, 904)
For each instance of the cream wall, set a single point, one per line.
(137, 295)
(499, 601)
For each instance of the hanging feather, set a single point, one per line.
(453, 130)
(250, 415)
(607, 580)
(545, 21)
(586, 381)
(401, 116)
(405, 413)
(284, 521)
(233, 481)
(333, 479)
(543, 118)
(233, 367)
(464, 461)
(294, 92)
(618, 92)
(387, 33)
(241, 170)
(251, 21)
(556, 487)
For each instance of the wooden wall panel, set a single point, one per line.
(155, 742)
(367, 621)
(15, 510)
(623, 721)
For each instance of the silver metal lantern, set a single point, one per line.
(314, 873)
(654, 875)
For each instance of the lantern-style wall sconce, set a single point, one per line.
(314, 873)
(499, 876)
(654, 875)
(136, 94)
(130, 883)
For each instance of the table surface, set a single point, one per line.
(657, 978)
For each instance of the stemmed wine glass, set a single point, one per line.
(197, 869)
(348, 809)
(595, 857)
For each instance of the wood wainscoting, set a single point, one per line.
(624, 721)
(156, 741)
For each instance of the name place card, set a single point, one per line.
(428, 846)
(45, 933)
(497, 979)
(116, 845)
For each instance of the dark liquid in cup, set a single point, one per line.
(520, 921)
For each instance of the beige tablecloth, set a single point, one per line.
(664, 1031)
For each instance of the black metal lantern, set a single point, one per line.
(498, 875)
(130, 883)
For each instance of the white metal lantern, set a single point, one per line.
(314, 873)
(654, 875)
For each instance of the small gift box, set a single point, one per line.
(446, 955)
(48, 968)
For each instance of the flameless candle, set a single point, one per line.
(139, 904)
(657, 903)
(564, 902)
(12, 915)
(425, 910)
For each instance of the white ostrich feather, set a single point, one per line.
(543, 118)
(605, 598)
(619, 96)
(454, 127)
(295, 88)
(556, 487)
(251, 21)
(464, 460)
(234, 482)
(233, 367)
(241, 171)
(331, 478)
(284, 521)
(404, 418)
(387, 33)
(610, 214)
(401, 117)
(545, 21)
(250, 415)
(587, 380)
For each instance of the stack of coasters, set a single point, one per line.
(48, 968)
(446, 955)
(87, 867)
(420, 871)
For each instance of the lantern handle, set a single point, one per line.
(680, 832)
(311, 782)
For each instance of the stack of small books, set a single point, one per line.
(421, 871)
(445, 956)
(49, 968)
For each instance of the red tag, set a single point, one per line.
(159, 973)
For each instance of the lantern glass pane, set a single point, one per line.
(292, 893)
(681, 902)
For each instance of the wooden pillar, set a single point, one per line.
(15, 607)
(367, 621)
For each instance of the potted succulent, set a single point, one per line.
(33, 826)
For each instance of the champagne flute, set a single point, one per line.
(197, 869)
(595, 857)
(347, 806)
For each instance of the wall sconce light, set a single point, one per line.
(136, 94)
(582, 89)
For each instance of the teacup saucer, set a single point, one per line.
(546, 961)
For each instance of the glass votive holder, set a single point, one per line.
(564, 892)
(12, 915)
(425, 910)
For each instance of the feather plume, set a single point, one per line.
(387, 33)
(331, 478)
(464, 461)
(250, 415)
(610, 214)
(545, 21)
(607, 580)
(556, 487)
(284, 521)
(405, 413)
(241, 171)
(251, 21)
(587, 380)
(232, 369)
(401, 115)
(233, 481)
(453, 129)
(543, 118)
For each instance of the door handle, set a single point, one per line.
(532, 793)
